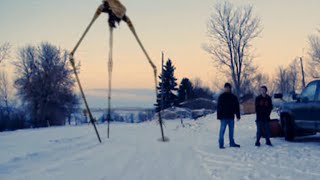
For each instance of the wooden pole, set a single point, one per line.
(155, 74)
(110, 66)
(302, 73)
(84, 97)
(161, 125)
(71, 59)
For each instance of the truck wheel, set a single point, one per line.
(288, 128)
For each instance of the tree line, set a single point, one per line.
(170, 94)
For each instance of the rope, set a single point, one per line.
(110, 66)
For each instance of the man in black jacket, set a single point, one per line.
(263, 110)
(228, 106)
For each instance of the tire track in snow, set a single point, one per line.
(68, 155)
(284, 161)
(217, 165)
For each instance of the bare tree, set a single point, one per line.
(4, 92)
(197, 82)
(261, 79)
(4, 51)
(286, 80)
(293, 75)
(4, 85)
(45, 84)
(281, 80)
(314, 52)
(248, 80)
(258, 80)
(231, 31)
(200, 90)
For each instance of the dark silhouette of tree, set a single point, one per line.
(185, 91)
(45, 84)
(201, 91)
(167, 87)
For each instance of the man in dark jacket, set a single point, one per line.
(228, 106)
(263, 110)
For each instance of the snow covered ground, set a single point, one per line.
(133, 153)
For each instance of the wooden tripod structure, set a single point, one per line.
(117, 13)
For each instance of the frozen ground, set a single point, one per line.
(133, 153)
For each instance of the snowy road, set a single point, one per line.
(133, 153)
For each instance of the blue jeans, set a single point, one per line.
(223, 126)
(265, 127)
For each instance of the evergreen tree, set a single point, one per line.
(167, 87)
(185, 91)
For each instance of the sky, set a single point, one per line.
(176, 27)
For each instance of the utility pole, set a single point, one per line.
(302, 73)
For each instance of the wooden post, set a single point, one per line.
(162, 77)
(161, 107)
(302, 73)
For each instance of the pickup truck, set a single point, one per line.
(301, 117)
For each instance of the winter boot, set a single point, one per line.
(269, 143)
(257, 144)
(235, 145)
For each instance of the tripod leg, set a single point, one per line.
(110, 67)
(95, 17)
(129, 23)
(71, 58)
(84, 99)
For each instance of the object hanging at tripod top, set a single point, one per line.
(115, 10)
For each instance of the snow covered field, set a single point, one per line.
(133, 153)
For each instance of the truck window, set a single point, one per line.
(308, 93)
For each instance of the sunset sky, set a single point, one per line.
(177, 27)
